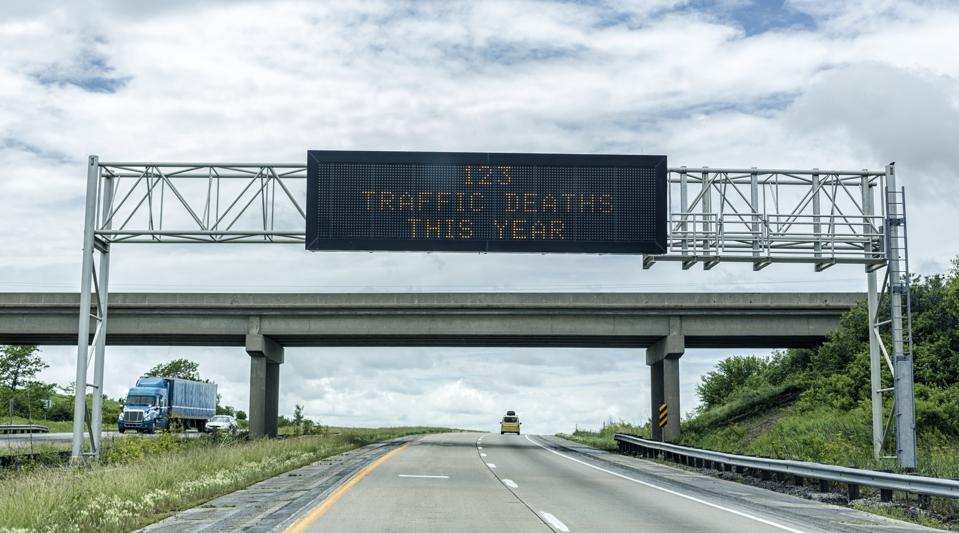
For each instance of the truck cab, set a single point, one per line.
(510, 423)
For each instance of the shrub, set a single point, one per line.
(731, 374)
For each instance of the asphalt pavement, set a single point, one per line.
(462, 482)
(489, 482)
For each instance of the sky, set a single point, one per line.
(720, 83)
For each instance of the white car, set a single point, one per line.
(224, 423)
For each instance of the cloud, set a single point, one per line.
(889, 113)
(88, 69)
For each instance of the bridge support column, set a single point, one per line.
(266, 356)
(663, 360)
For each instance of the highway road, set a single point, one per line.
(491, 483)
(511, 483)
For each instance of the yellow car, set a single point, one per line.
(510, 423)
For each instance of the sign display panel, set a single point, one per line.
(486, 202)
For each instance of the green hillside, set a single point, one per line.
(814, 404)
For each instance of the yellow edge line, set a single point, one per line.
(307, 520)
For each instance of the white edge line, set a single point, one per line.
(555, 522)
(510, 483)
(424, 476)
(669, 491)
(491, 465)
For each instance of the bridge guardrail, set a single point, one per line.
(853, 478)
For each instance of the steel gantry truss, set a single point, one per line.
(819, 217)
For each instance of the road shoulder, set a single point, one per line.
(272, 503)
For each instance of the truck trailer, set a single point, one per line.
(158, 403)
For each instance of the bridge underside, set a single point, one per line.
(471, 341)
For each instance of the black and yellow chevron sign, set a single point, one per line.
(663, 415)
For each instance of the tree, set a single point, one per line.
(298, 418)
(177, 368)
(731, 374)
(19, 365)
(240, 415)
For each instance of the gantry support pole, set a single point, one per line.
(902, 358)
(872, 309)
(83, 330)
(102, 293)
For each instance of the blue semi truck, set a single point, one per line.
(158, 403)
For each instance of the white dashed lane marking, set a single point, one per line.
(555, 522)
(668, 491)
(510, 483)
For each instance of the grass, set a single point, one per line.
(753, 403)
(603, 439)
(824, 435)
(35, 448)
(898, 513)
(144, 480)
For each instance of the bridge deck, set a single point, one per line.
(435, 319)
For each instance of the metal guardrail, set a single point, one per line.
(22, 428)
(853, 478)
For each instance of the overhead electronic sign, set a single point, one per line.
(486, 202)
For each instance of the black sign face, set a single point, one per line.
(485, 202)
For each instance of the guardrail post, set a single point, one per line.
(885, 495)
(853, 491)
(799, 481)
(823, 485)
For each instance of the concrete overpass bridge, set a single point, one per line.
(663, 323)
